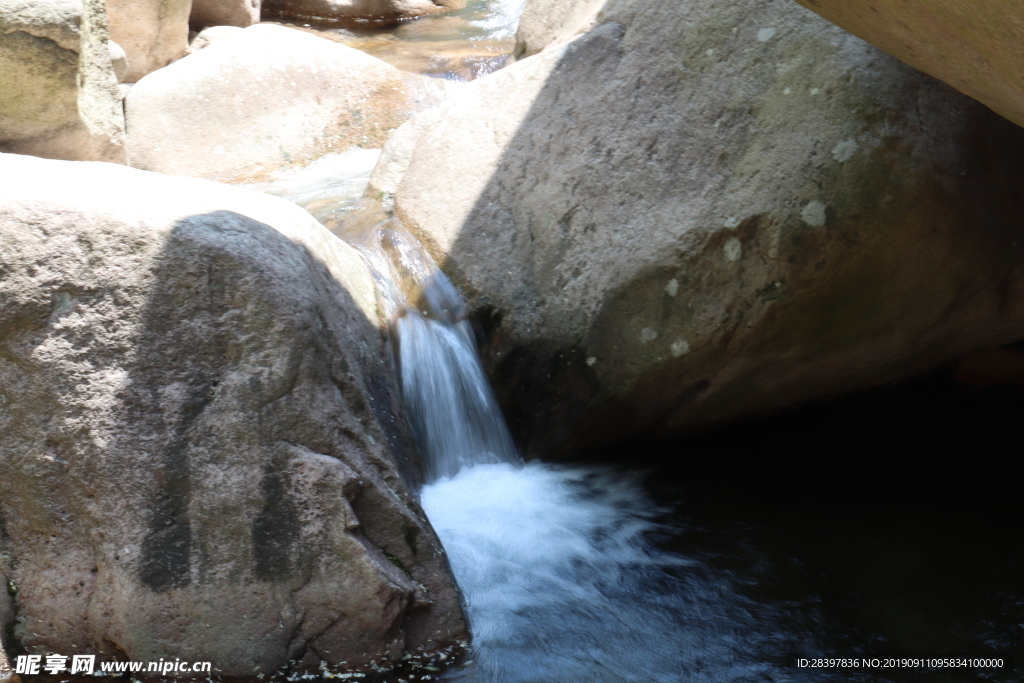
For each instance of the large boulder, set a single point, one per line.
(357, 12)
(206, 13)
(58, 88)
(199, 435)
(153, 33)
(977, 47)
(702, 210)
(266, 99)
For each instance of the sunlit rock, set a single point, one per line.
(153, 33)
(199, 436)
(356, 12)
(546, 21)
(214, 34)
(697, 211)
(976, 47)
(268, 98)
(58, 88)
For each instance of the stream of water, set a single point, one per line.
(709, 562)
(599, 573)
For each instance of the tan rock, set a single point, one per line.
(119, 60)
(546, 21)
(700, 211)
(357, 12)
(214, 34)
(977, 47)
(206, 13)
(270, 98)
(58, 88)
(199, 435)
(153, 33)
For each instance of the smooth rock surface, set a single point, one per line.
(977, 47)
(270, 98)
(206, 13)
(546, 21)
(214, 34)
(58, 88)
(153, 33)
(699, 211)
(119, 60)
(357, 12)
(198, 432)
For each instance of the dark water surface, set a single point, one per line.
(881, 523)
(885, 522)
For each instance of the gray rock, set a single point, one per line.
(269, 98)
(58, 88)
(153, 33)
(6, 610)
(198, 431)
(356, 12)
(206, 13)
(699, 211)
(975, 47)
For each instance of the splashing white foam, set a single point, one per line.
(562, 582)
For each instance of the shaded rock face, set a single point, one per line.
(268, 98)
(199, 435)
(207, 13)
(698, 211)
(153, 33)
(977, 47)
(357, 12)
(58, 88)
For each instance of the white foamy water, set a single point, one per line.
(561, 576)
(563, 584)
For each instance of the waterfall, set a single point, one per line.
(453, 412)
(562, 578)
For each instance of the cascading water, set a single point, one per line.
(559, 566)
(572, 574)
(453, 412)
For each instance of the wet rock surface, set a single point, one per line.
(268, 98)
(201, 441)
(696, 212)
(357, 12)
